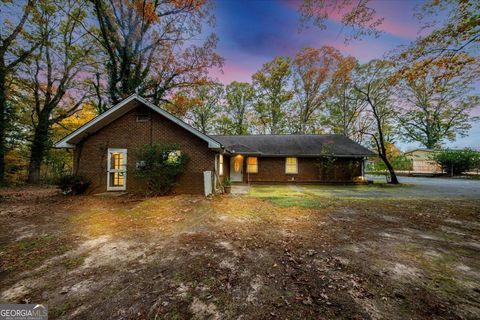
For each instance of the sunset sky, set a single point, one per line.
(252, 32)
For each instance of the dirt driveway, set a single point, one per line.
(277, 253)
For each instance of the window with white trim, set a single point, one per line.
(291, 165)
(220, 164)
(252, 164)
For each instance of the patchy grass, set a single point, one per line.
(280, 252)
(29, 253)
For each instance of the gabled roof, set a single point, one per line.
(421, 149)
(294, 145)
(120, 109)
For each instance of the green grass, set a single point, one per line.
(322, 196)
(284, 197)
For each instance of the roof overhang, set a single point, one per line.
(314, 155)
(246, 153)
(119, 110)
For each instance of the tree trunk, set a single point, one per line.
(38, 149)
(391, 171)
(3, 124)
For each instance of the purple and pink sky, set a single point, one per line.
(252, 32)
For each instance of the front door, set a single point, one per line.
(117, 169)
(236, 169)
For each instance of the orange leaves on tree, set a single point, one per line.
(147, 10)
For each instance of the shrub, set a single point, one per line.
(400, 162)
(72, 184)
(159, 166)
(458, 161)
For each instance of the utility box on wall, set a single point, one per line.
(207, 182)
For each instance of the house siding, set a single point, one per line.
(310, 170)
(90, 156)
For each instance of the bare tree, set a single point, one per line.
(144, 43)
(358, 17)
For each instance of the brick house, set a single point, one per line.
(104, 152)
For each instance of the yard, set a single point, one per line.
(286, 252)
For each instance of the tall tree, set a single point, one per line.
(358, 17)
(205, 107)
(346, 114)
(437, 99)
(239, 99)
(144, 42)
(345, 106)
(52, 83)
(374, 82)
(14, 50)
(313, 71)
(272, 94)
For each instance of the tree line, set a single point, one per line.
(320, 91)
(58, 56)
(64, 61)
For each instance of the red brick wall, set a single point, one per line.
(310, 170)
(126, 132)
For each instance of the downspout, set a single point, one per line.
(217, 176)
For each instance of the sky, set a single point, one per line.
(252, 32)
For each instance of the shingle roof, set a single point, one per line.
(293, 145)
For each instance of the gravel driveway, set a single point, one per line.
(410, 188)
(438, 187)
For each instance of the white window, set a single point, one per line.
(252, 165)
(220, 164)
(291, 165)
(117, 169)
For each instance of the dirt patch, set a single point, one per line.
(282, 254)
(202, 310)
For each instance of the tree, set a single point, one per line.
(205, 106)
(458, 161)
(59, 162)
(313, 71)
(272, 94)
(436, 101)
(458, 32)
(374, 83)
(345, 107)
(144, 44)
(239, 99)
(357, 17)
(15, 48)
(346, 114)
(52, 84)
